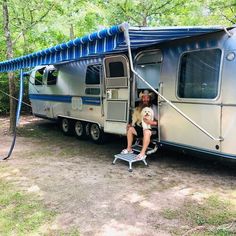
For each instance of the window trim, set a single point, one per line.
(115, 58)
(178, 77)
(140, 54)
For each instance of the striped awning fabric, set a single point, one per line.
(102, 42)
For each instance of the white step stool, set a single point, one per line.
(136, 148)
(129, 158)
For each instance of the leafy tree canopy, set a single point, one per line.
(38, 24)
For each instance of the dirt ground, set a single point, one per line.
(76, 179)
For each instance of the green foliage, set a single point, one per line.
(4, 100)
(37, 24)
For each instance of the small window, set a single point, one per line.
(116, 69)
(199, 74)
(93, 74)
(92, 91)
(39, 76)
(52, 77)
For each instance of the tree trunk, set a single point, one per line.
(72, 34)
(144, 22)
(12, 86)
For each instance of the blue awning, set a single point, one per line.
(105, 41)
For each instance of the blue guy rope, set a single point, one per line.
(17, 115)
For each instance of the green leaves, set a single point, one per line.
(39, 24)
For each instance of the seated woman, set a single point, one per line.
(136, 127)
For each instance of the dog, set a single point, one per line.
(147, 113)
(136, 117)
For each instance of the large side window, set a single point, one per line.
(93, 74)
(92, 80)
(52, 77)
(199, 74)
(39, 76)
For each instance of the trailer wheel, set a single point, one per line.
(96, 134)
(66, 126)
(79, 129)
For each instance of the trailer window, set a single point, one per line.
(116, 69)
(93, 74)
(92, 91)
(52, 77)
(199, 74)
(38, 78)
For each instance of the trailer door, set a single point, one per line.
(116, 94)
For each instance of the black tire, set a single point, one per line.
(66, 126)
(96, 134)
(80, 129)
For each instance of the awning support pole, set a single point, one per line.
(127, 38)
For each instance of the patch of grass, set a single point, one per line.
(222, 232)
(36, 129)
(170, 214)
(214, 216)
(34, 132)
(20, 214)
(213, 211)
(41, 152)
(68, 152)
(70, 232)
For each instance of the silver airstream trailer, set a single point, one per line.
(191, 69)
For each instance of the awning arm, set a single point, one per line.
(227, 32)
(127, 38)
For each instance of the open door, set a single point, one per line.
(117, 94)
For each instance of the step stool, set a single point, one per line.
(129, 158)
(136, 148)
